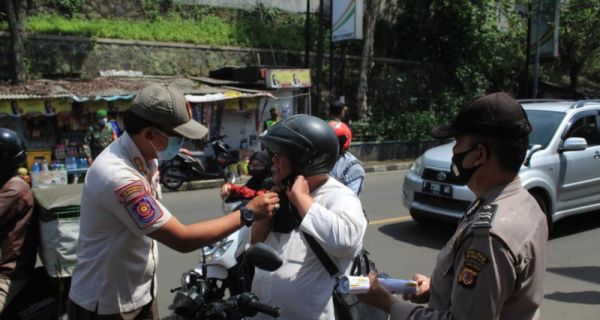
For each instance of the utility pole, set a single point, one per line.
(527, 52)
(536, 67)
(318, 110)
(307, 36)
(331, 66)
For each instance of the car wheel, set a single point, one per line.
(541, 200)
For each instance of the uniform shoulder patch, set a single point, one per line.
(130, 191)
(485, 216)
(144, 211)
(474, 261)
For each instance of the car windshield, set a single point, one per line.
(543, 124)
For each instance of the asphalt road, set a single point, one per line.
(400, 247)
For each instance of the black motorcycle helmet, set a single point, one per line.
(12, 150)
(310, 143)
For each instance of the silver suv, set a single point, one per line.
(561, 169)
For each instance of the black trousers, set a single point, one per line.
(147, 312)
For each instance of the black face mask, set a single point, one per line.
(259, 174)
(287, 217)
(462, 174)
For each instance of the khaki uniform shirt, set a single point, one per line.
(116, 261)
(17, 229)
(493, 267)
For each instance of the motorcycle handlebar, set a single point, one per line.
(274, 312)
(250, 301)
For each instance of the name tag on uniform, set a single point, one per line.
(129, 192)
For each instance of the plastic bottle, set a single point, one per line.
(70, 163)
(36, 166)
(45, 165)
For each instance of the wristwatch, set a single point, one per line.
(247, 216)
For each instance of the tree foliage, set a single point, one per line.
(579, 40)
(16, 10)
(466, 48)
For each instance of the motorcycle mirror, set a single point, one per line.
(263, 257)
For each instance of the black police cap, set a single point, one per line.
(496, 115)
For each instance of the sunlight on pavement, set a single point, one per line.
(390, 220)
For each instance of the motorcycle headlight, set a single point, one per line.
(217, 250)
(417, 166)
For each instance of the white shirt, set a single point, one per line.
(302, 287)
(116, 261)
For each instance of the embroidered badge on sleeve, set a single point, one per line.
(474, 262)
(130, 191)
(144, 211)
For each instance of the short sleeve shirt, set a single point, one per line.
(116, 260)
(302, 287)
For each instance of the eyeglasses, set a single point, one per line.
(273, 155)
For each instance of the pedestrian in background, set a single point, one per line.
(338, 111)
(493, 267)
(98, 136)
(274, 118)
(348, 169)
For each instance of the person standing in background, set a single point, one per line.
(338, 111)
(98, 136)
(274, 118)
(348, 169)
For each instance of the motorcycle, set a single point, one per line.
(188, 166)
(42, 298)
(203, 289)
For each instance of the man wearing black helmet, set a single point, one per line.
(18, 242)
(314, 206)
(493, 267)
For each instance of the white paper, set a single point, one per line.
(357, 285)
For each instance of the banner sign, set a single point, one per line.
(347, 20)
(288, 78)
(42, 106)
(548, 29)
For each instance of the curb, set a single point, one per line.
(216, 183)
(388, 167)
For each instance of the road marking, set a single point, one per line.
(390, 220)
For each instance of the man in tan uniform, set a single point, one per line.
(493, 267)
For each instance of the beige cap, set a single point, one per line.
(166, 105)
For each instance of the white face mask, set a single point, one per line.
(172, 149)
(103, 121)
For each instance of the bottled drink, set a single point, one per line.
(44, 165)
(36, 167)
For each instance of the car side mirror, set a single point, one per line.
(574, 144)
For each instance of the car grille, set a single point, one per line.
(446, 203)
(440, 176)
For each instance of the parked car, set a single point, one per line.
(561, 168)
